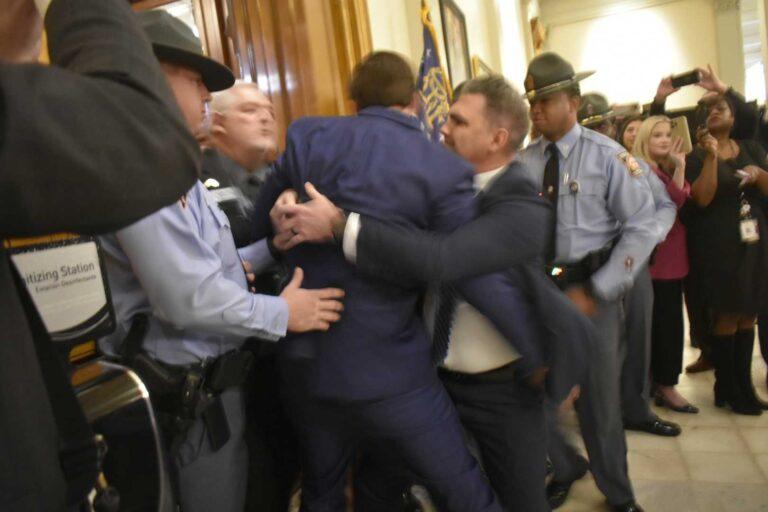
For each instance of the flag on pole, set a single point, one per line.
(433, 85)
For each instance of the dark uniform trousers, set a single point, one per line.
(506, 422)
(419, 427)
(599, 413)
(635, 373)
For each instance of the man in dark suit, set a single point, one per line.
(81, 145)
(504, 413)
(370, 378)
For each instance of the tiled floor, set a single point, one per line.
(718, 464)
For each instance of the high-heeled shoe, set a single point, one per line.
(662, 401)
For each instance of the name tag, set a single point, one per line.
(749, 232)
(65, 277)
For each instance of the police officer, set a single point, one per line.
(595, 113)
(183, 307)
(602, 234)
(243, 139)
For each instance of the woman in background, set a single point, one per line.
(653, 144)
(727, 236)
(627, 131)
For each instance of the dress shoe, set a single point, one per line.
(627, 507)
(661, 401)
(700, 365)
(657, 427)
(557, 491)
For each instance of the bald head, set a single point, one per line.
(243, 126)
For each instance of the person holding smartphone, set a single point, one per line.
(727, 238)
(654, 144)
(746, 114)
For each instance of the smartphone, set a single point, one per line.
(680, 129)
(687, 78)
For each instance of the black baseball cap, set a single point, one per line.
(173, 41)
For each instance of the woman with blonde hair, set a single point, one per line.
(655, 146)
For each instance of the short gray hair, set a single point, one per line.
(222, 100)
(503, 104)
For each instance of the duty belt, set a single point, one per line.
(570, 274)
(183, 393)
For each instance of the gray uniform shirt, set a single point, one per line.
(602, 197)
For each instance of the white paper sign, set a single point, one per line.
(66, 286)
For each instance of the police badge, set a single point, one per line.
(631, 164)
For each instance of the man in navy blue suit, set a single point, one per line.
(481, 370)
(371, 377)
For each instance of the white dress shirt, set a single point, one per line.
(475, 345)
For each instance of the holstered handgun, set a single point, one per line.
(183, 394)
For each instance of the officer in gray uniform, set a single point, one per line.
(603, 233)
(596, 114)
(183, 307)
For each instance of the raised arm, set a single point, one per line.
(95, 141)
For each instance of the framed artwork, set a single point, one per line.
(456, 44)
(480, 68)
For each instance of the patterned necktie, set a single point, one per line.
(551, 188)
(446, 307)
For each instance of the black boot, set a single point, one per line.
(727, 390)
(743, 350)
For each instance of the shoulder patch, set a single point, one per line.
(631, 164)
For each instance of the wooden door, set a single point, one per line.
(300, 52)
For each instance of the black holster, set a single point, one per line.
(565, 276)
(181, 394)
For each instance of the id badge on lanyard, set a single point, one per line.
(748, 228)
(64, 274)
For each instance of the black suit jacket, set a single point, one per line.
(506, 236)
(90, 144)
